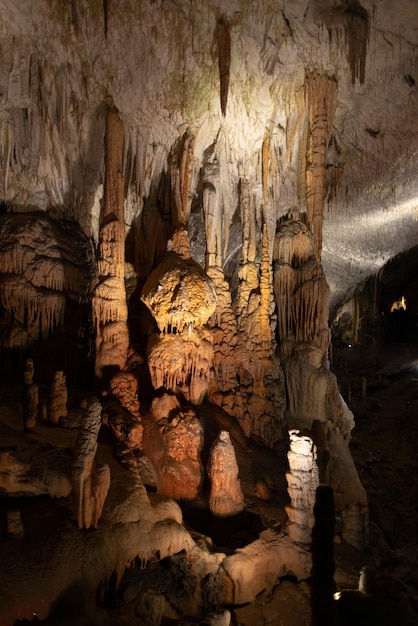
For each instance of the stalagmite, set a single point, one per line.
(175, 454)
(90, 484)
(58, 396)
(302, 480)
(109, 302)
(266, 298)
(226, 497)
(124, 386)
(30, 397)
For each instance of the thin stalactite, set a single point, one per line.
(223, 38)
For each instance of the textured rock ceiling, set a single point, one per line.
(159, 61)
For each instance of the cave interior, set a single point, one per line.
(208, 312)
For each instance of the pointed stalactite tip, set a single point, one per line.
(223, 38)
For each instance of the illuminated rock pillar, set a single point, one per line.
(110, 310)
(302, 480)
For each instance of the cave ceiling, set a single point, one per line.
(228, 73)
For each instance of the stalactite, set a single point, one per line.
(109, 301)
(265, 169)
(105, 16)
(186, 173)
(300, 287)
(266, 295)
(223, 39)
(244, 200)
(181, 166)
(321, 94)
(218, 204)
(352, 21)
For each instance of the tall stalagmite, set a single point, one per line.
(110, 310)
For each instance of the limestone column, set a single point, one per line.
(110, 311)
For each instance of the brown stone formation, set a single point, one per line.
(226, 497)
(181, 297)
(90, 483)
(58, 396)
(110, 310)
(182, 363)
